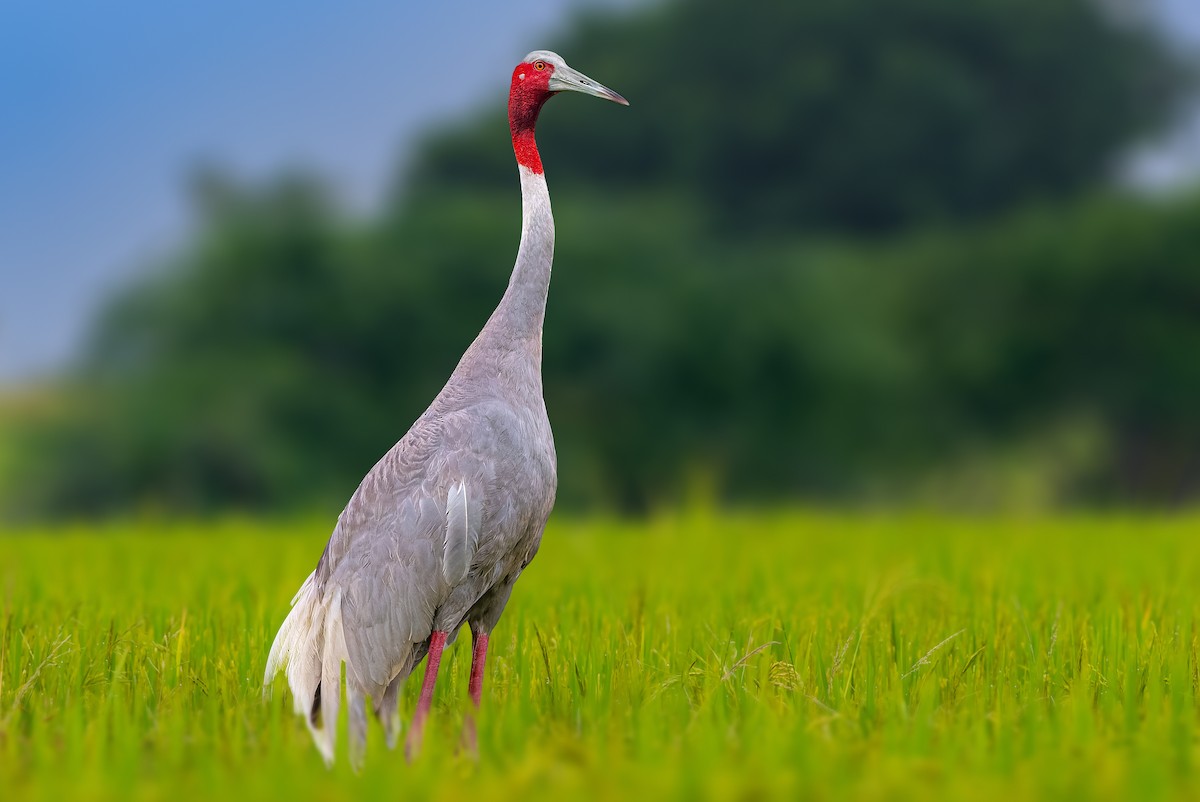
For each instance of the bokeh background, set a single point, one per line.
(929, 252)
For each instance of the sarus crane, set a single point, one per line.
(442, 526)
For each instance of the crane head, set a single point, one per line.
(542, 74)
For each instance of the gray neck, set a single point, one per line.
(517, 322)
(505, 360)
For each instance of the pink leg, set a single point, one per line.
(478, 658)
(475, 688)
(412, 745)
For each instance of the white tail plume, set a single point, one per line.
(311, 647)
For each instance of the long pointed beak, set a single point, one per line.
(566, 79)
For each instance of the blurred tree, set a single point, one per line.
(710, 322)
(1088, 312)
(855, 115)
(211, 381)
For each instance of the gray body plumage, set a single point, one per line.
(443, 525)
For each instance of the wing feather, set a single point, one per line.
(462, 533)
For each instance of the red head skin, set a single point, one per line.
(530, 89)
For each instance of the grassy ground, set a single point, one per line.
(727, 657)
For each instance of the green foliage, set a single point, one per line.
(851, 115)
(783, 655)
(840, 371)
(1087, 312)
(710, 325)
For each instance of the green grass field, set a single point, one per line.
(728, 656)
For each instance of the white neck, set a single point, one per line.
(522, 310)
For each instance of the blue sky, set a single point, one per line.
(104, 106)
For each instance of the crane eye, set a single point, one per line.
(539, 65)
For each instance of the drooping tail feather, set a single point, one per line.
(357, 704)
(387, 709)
(311, 647)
